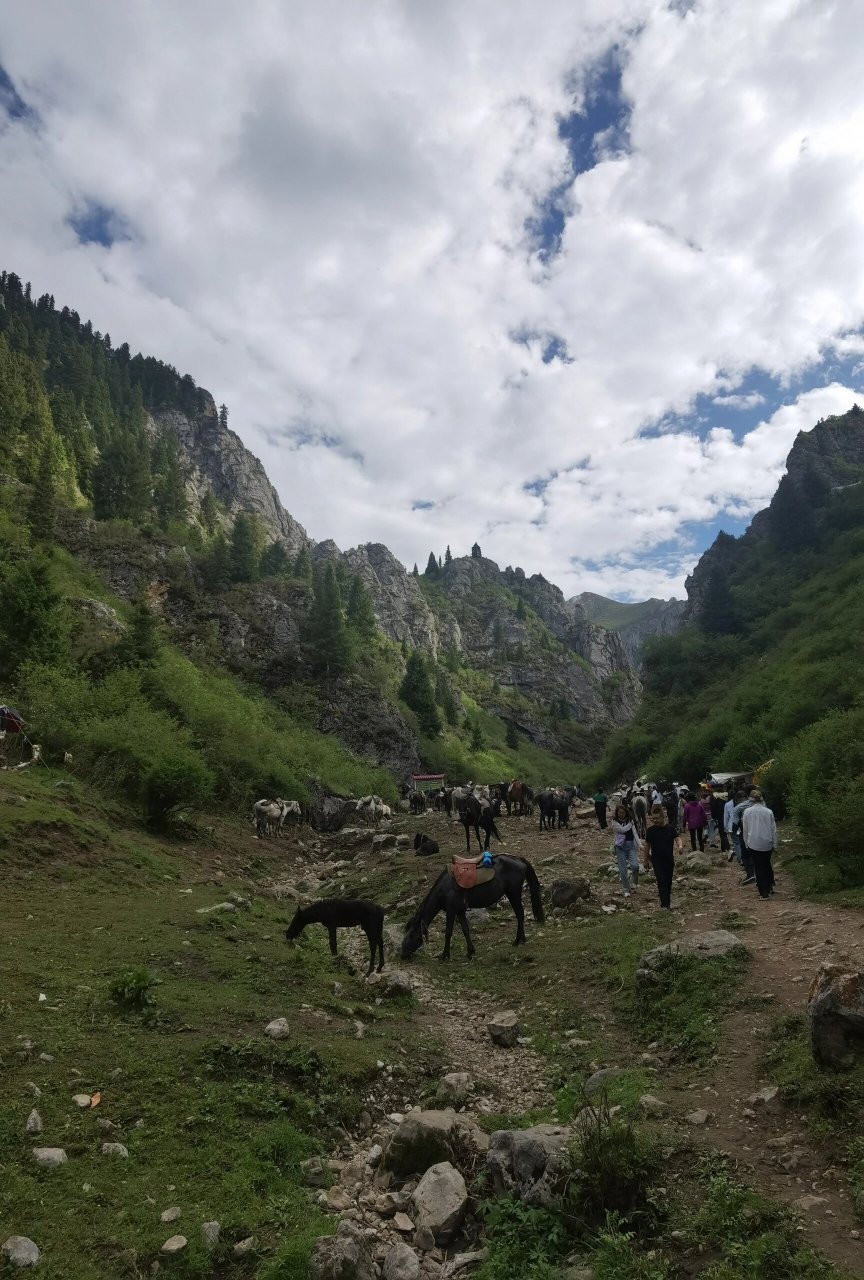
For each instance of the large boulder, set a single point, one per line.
(401, 1263)
(698, 862)
(565, 892)
(530, 1164)
(422, 1139)
(344, 1256)
(440, 1202)
(836, 1014)
(392, 982)
(707, 946)
(504, 1028)
(20, 1251)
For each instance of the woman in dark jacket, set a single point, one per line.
(661, 845)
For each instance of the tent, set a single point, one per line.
(739, 778)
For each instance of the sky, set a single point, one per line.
(566, 282)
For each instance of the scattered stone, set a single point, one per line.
(104, 1123)
(170, 1215)
(698, 1118)
(601, 1078)
(528, 1163)
(20, 1251)
(243, 1248)
(401, 1263)
(763, 1097)
(37, 1093)
(403, 842)
(82, 1100)
(344, 1256)
(652, 1106)
(455, 1086)
(836, 1014)
(424, 1240)
(805, 1204)
(373, 1155)
(174, 1245)
(394, 982)
(278, 1029)
(422, 1139)
(714, 942)
(218, 906)
(338, 1200)
(381, 842)
(115, 1149)
(49, 1157)
(210, 1233)
(34, 1122)
(239, 901)
(564, 893)
(441, 1200)
(504, 1028)
(46, 1057)
(402, 1222)
(463, 1262)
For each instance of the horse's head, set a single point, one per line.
(415, 935)
(296, 926)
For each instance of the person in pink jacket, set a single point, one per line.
(694, 821)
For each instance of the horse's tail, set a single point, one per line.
(535, 891)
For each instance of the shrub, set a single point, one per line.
(134, 989)
(614, 1170)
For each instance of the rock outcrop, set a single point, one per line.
(633, 622)
(528, 1163)
(836, 1016)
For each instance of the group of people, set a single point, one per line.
(650, 823)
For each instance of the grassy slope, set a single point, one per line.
(225, 1116)
(616, 614)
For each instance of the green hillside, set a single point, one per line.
(769, 667)
(614, 615)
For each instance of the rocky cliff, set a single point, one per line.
(635, 622)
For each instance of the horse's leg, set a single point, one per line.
(515, 900)
(380, 949)
(467, 837)
(480, 844)
(463, 921)
(331, 930)
(370, 938)
(448, 932)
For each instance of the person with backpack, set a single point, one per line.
(626, 843)
(760, 838)
(661, 845)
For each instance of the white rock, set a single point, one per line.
(34, 1122)
(49, 1157)
(698, 1117)
(402, 1222)
(174, 1245)
(115, 1149)
(338, 1200)
(455, 1086)
(504, 1028)
(401, 1263)
(20, 1251)
(764, 1096)
(440, 1201)
(243, 1247)
(81, 1100)
(37, 1093)
(806, 1203)
(210, 1233)
(170, 1215)
(278, 1029)
(651, 1106)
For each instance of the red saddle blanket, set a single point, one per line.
(468, 875)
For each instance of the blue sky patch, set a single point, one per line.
(95, 223)
(422, 506)
(11, 102)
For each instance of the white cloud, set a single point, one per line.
(328, 218)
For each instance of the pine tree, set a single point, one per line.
(32, 627)
(223, 417)
(169, 478)
(476, 553)
(416, 691)
(217, 564)
(431, 570)
(328, 635)
(303, 565)
(274, 561)
(140, 646)
(445, 697)
(244, 553)
(521, 612)
(511, 738)
(42, 507)
(477, 742)
(361, 613)
(121, 480)
(415, 572)
(448, 555)
(208, 511)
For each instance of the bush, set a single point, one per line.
(171, 783)
(134, 989)
(825, 768)
(614, 1171)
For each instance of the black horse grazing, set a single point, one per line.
(478, 813)
(417, 802)
(511, 874)
(424, 846)
(344, 913)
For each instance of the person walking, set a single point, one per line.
(625, 843)
(733, 840)
(600, 803)
(742, 804)
(661, 845)
(671, 802)
(760, 837)
(693, 819)
(718, 805)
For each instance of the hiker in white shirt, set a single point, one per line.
(760, 837)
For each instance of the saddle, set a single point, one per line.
(468, 874)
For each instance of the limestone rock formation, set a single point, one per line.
(528, 1163)
(836, 1015)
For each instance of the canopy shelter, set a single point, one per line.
(738, 778)
(11, 721)
(428, 781)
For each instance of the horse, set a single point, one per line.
(516, 797)
(478, 813)
(511, 874)
(344, 913)
(424, 846)
(417, 800)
